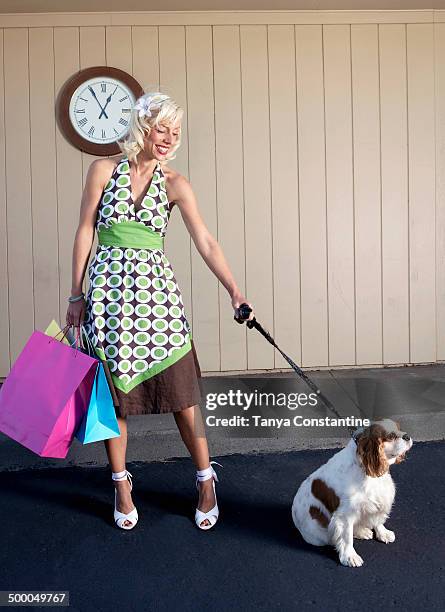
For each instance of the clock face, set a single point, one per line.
(100, 109)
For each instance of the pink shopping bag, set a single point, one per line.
(46, 394)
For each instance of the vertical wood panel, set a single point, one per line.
(340, 205)
(5, 360)
(145, 57)
(394, 169)
(229, 183)
(202, 178)
(284, 177)
(439, 38)
(256, 143)
(119, 48)
(173, 81)
(18, 189)
(69, 166)
(421, 173)
(366, 134)
(43, 177)
(312, 185)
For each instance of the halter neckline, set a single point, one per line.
(157, 168)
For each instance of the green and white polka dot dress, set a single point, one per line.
(135, 314)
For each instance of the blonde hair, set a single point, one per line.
(163, 109)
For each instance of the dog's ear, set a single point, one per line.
(371, 452)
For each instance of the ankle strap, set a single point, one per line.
(208, 473)
(120, 475)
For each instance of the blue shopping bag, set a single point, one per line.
(99, 422)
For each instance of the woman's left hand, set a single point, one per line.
(239, 299)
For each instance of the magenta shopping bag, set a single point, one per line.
(46, 394)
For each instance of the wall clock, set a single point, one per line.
(93, 108)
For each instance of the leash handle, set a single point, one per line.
(244, 311)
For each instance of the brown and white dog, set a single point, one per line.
(352, 494)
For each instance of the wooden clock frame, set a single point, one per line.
(63, 105)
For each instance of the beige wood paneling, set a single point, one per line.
(146, 57)
(367, 193)
(43, 177)
(119, 50)
(394, 177)
(312, 185)
(18, 189)
(340, 209)
(313, 142)
(439, 40)
(421, 173)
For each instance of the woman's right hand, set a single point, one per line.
(75, 314)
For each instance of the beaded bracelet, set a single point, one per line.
(72, 299)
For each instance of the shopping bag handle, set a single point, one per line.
(62, 330)
(65, 331)
(78, 339)
(90, 344)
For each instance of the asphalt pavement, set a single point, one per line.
(58, 534)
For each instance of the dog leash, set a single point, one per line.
(244, 311)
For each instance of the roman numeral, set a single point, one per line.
(83, 99)
(116, 132)
(103, 134)
(123, 121)
(82, 122)
(80, 110)
(124, 98)
(91, 131)
(103, 87)
(126, 110)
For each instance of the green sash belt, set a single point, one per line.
(130, 234)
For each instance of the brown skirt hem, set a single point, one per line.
(174, 389)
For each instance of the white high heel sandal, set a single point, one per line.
(213, 514)
(120, 517)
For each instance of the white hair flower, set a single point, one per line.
(145, 102)
(143, 106)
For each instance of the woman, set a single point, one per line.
(133, 312)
